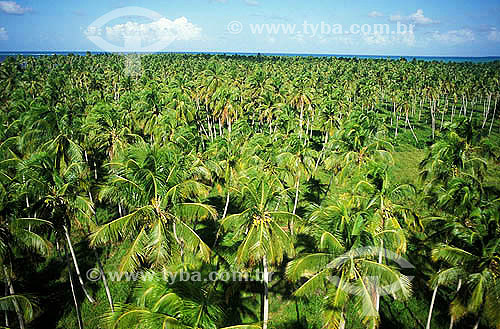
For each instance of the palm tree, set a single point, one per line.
(345, 258)
(161, 304)
(260, 229)
(19, 235)
(157, 194)
(472, 263)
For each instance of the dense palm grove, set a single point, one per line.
(324, 172)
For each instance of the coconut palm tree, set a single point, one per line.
(260, 230)
(472, 264)
(162, 204)
(345, 257)
(161, 304)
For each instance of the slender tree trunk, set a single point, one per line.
(477, 323)
(411, 128)
(452, 319)
(77, 308)
(104, 281)
(487, 111)
(6, 314)
(209, 128)
(493, 118)
(297, 311)
(265, 317)
(377, 295)
(433, 118)
(420, 109)
(342, 323)
(226, 206)
(296, 195)
(12, 292)
(301, 118)
(442, 116)
(77, 268)
(431, 308)
(397, 125)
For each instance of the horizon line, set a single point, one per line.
(241, 53)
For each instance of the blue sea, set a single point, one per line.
(4, 55)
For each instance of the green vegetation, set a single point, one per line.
(326, 173)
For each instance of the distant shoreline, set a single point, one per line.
(455, 59)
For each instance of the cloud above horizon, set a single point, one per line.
(147, 33)
(494, 35)
(417, 18)
(375, 14)
(454, 37)
(3, 34)
(12, 8)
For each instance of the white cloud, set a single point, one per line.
(252, 2)
(12, 8)
(375, 14)
(397, 18)
(454, 36)
(494, 35)
(379, 39)
(299, 37)
(3, 34)
(417, 18)
(322, 39)
(375, 39)
(147, 33)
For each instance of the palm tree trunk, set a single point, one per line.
(20, 317)
(104, 281)
(297, 311)
(433, 119)
(452, 319)
(77, 268)
(296, 195)
(265, 316)
(77, 308)
(226, 206)
(342, 323)
(397, 125)
(493, 118)
(6, 314)
(411, 128)
(431, 308)
(377, 295)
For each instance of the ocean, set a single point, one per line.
(4, 55)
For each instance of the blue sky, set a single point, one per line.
(440, 28)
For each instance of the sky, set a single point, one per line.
(362, 27)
